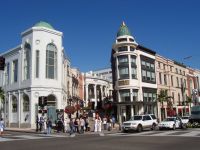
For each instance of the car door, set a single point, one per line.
(178, 122)
(147, 121)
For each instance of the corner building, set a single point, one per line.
(37, 67)
(134, 80)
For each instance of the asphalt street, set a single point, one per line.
(97, 142)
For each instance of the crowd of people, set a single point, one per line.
(76, 125)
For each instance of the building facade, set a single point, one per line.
(134, 79)
(35, 68)
(172, 76)
(107, 72)
(96, 89)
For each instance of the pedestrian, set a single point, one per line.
(82, 124)
(109, 123)
(86, 123)
(66, 125)
(99, 124)
(49, 126)
(113, 121)
(96, 124)
(76, 125)
(105, 123)
(2, 126)
(41, 123)
(45, 125)
(37, 123)
(60, 125)
(71, 125)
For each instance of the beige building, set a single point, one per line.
(172, 76)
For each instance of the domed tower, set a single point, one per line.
(129, 62)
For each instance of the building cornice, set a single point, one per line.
(30, 30)
(12, 51)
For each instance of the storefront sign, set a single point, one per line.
(123, 82)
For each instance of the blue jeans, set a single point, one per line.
(48, 130)
(71, 130)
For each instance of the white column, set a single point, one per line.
(9, 109)
(131, 95)
(106, 91)
(101, 90)
(5, 111)
(95, 94)
(132, 112)
(19, 108)
(119, 114)
(86, 94)
(33, 99)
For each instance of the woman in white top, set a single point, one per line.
(45, 125)
(1, 126)
(99, 124)
(95, 124)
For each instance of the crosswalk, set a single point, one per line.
(176, 133)
(180, 133)
(10, 137)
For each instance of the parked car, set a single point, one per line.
(171, 123)
(185, 119)
(140, 122)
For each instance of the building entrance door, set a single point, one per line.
(51, 113)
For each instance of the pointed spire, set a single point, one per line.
(123, 30)
(123, 23)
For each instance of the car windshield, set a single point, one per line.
(185, 117)
(136, 118)
(169, 119)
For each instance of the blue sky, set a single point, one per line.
(171, 27)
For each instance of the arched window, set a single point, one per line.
(14, 104)
(51, 100)
(27, 52)
(51, 61)
(25, 103)
(37, 63)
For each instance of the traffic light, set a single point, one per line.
(2, 63)
(45, 100)
(42, 101)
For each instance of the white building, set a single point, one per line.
(37, 67)
(96, 88)
(134, 77)
(106, 72)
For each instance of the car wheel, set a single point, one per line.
(183, 126)
(160, 128)
(139, 128)
(174, 127)
(124, 131)
(153, 126)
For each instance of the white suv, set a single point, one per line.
(140, 122)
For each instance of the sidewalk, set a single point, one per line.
(29, 130)
(25, 130)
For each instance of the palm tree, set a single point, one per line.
(161, 98)
(189, 101)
